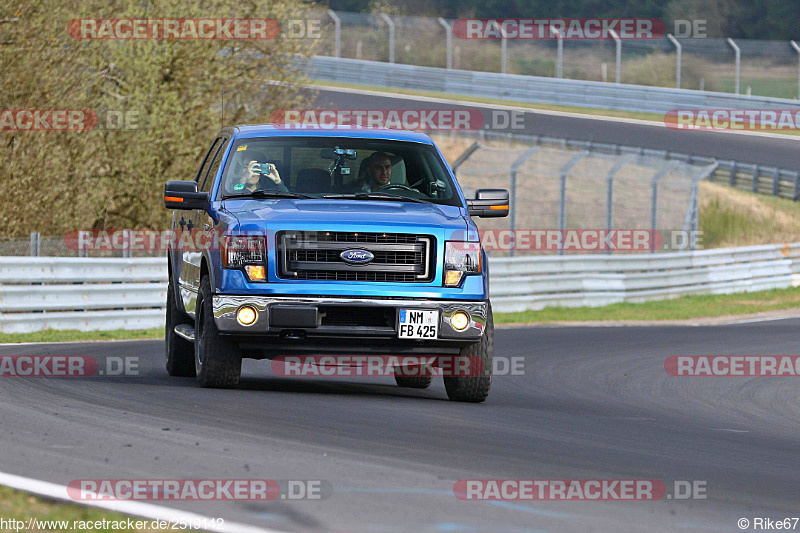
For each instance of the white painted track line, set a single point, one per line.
(136, 508)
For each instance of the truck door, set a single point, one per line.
(188, 258)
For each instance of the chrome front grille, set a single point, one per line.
(315, 255)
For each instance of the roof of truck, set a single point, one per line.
(246, 131)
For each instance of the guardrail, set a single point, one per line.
(531, 88)
(104, 294)
(753, 177)
(521, 283)
(697, 59)
(38, 293)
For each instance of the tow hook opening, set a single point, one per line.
(293, 334)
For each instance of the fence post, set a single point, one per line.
(83, 238)
(512, 207)
(619, 54)
(464, 156)
(126, 249)
(694, 214)
(733, 174)
(691, 224)
(562, 199)
(738, 53)
(560, 56)
(503, 50)
(796, 184)
(36, 244)
(337, 23)
(756, 171)
(678, 50)
(654, 201)
(449, 36)
(621, 162)
(390, 22)
(775, 178)
(797, 49)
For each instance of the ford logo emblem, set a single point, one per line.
(356, 257)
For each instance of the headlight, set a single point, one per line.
(248, 254)
(461, 259)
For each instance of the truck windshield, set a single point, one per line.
(338, 168)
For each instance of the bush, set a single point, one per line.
(105, 178)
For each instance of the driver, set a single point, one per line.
(378, 173)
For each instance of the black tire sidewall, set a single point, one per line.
(179, 352)
(475, 388)
(221, 363)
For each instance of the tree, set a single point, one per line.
(54, 182)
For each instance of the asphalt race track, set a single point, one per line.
(780, 151)
(592, 403)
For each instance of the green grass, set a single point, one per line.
(721, 223)
(735, 217)
(51, 335)
(771, 87)
(685, 307)
(22, 506)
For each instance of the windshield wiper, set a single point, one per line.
(268, 194)
(377, 196)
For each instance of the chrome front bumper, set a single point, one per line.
(226, 307)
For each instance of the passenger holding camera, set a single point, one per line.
(252, 180)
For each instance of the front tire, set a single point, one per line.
(179, 351)
(475, 389)
(217, 360)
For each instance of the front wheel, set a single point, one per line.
(471, 388)
(180, 352)
(217, 360)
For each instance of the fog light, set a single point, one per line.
(452, 278)
(459, 320)
(255, 272)
(246, 315)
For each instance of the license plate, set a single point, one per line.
(418, 324)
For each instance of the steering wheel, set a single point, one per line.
(397, 186)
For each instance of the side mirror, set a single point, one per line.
(489, 203)
(183, 195)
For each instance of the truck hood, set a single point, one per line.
(346, 215)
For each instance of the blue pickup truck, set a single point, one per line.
(327, 241)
